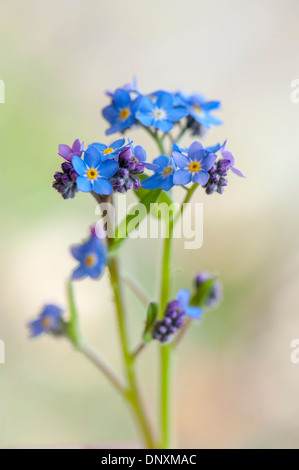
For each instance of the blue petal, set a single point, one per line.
(176, 114)
(79, 165)
(210, 105)
(118, 143)
(183, 298)
(165, 100)
(99, 147)
(182, 177)
(168, 183)
(78, 252)
(213, 120)
(146, 106)
(153, 182)
(180, 159)
(121, 98)
(80, 272)
(83, 184)
(108, 168)
(208, 161)
(145, 119)
(151, 166)
(162, 124)
(110, 114)
(96, 271)
(52, 311)
(92, 157)
(194, 312)
(214, 148)
(196, 151)
(36, 328)
(102, 186)
(140, 153)
(117, 127)
(202, 177)
(162, 161)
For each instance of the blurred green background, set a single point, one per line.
(235, 385)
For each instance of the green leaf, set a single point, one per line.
(151, 317)
(125, 228)
(202, 293)
(73, 326)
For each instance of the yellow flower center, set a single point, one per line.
(107, 151)
(92, 174)
(197, 109)
(46, 322)
(90, 260)
(194, 167)
(124, 114)
(168, 171)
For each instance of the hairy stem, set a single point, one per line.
(133, 394)
(101, 364)
(137, 289)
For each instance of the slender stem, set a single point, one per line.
(133, 393)
(137, 289)
(167, 350)
(156, 138)
(74, 336)
(138, 350)
(100, 363)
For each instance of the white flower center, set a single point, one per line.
(159, 114)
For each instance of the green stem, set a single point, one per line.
(156, 138)
(74, 336)
(133, 395)
(167, 350)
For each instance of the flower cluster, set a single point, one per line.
(103, 169)
(160, 110)
(174, 316)
(196, 164)
(207, 294)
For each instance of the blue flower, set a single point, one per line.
(163, 177)
(93, 172)
(183, 297)
(160, 113)
(111, 151)
(193, 167)
(92, 256)
(121, 113)
(198, 108)
(47, 321)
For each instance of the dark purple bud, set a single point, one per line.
(222, 182)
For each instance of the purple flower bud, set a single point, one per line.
(215, 295)
(125, 179)
(65, 181)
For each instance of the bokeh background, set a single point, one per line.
(235, 385)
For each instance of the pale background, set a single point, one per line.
(235, 385)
